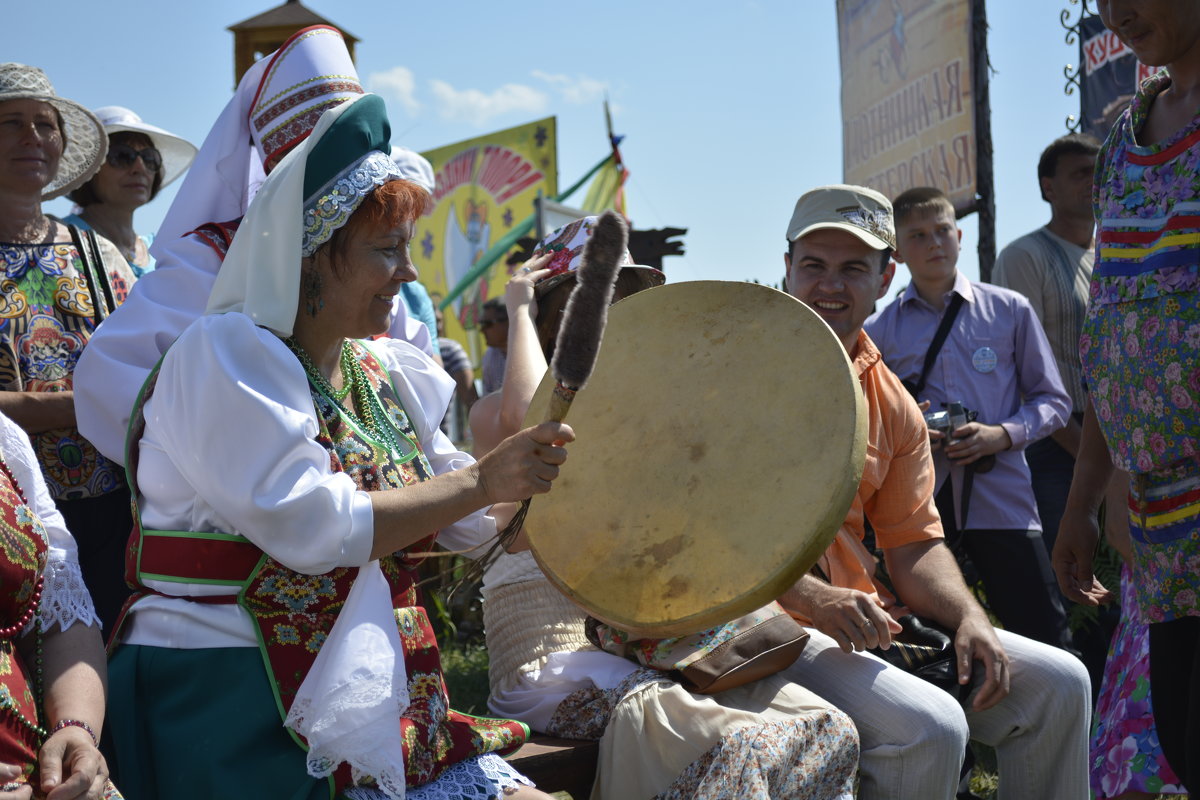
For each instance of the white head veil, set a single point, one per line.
(261, 273)
(225, 174)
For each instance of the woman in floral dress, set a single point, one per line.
(1127, 761)
(59, 284)
(1141, 356)
(51, 658)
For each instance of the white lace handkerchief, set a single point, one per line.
(349, 705)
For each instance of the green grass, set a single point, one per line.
(466, 670)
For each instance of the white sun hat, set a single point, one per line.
(177, 152)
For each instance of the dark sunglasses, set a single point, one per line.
(122, 156)
(484, 324)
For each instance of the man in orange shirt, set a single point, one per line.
(1030, 701)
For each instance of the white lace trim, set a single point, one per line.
(349, 706)
(65, 598)
(481, 778)
(331, 206)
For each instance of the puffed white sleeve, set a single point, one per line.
(408, 328)
(123, 350)
(65, 598)
(232, 423)
(426, 391)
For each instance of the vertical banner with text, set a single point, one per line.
(484, 187)
(907, 100)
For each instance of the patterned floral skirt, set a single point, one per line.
(1164, 524)
(1125, 754)
(768, 740)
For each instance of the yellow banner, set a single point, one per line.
(484, 187)
(907, 97)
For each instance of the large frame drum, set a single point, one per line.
(719, 445)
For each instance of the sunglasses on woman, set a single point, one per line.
(122, 156)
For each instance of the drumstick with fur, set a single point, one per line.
(586, 312)
(582, 328)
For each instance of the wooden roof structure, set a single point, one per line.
(264, 33)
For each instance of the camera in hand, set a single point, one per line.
(954, 417)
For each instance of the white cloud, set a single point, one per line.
(579, 90)
(398, 84)
(476, 107)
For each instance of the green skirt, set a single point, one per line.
(200, 724)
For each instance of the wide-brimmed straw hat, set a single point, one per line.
(177, 152)
(85, 142)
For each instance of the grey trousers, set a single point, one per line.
(913, 734)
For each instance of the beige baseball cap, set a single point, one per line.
(855, 209)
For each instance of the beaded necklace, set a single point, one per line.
(319, 380)
(8, 634)
(367, 411)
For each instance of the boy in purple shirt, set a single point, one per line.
(996, 361)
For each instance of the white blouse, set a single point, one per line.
(123, 350)
(65, 598)
(229, 447)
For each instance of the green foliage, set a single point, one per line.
(466, 670)
(439, 614)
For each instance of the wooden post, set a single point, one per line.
(984, 185)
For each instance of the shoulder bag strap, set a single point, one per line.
(101, 270)
(939, 338)
(85, 257)
(94, 273)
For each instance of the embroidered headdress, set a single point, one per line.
(348, 162)
(277, 104)
(311, 73)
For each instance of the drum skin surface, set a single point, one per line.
(719, 444)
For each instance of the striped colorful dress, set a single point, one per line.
(1141, 347)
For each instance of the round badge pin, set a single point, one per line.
(984, 359)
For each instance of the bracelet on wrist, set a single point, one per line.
(75, 723)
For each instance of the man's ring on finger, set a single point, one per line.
(526, 270)
(867, 624)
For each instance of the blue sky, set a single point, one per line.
(730, 109)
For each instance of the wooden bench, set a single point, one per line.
(558, 765)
